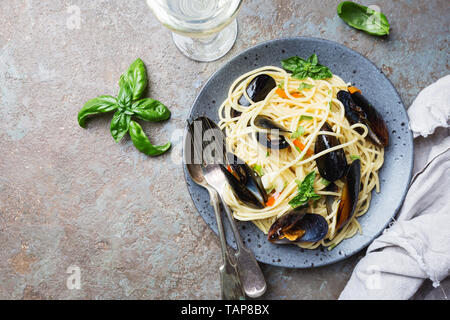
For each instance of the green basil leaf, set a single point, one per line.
(308, 182)
(97, 105)
(325, 73)
(142, 143)
(316, 69)
(313, 59)
(119, 125)
(305, 191)
(363, 18)
(293, 64)
(150, 110)
(354, 157)
(136, 77)
(302, 69)
(125, 96)
(301, 75)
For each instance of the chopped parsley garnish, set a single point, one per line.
(258, 169)
(304, 86)
(299, 132)
(306, 118)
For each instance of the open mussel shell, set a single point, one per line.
(246, 184)
(359, 110)
(257, 90)
(353, 113)
(237, 168)
(271, 140)
(332, 165)
(298, 226)
(329, 199)
(267, 123)
(374, 119)
(349, 197)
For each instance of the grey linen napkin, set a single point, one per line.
(416, 246)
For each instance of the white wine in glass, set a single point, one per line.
(204, 30)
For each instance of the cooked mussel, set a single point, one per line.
(359, 110)
(329, 199)
(267, 123)
(257, 90)
(332, 165)
(236, 167)
(270, 140)
(298, 226)
(349, 197)
(245, 183)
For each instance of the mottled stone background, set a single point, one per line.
(70, 196)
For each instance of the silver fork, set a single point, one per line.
(251, 275)
(230, 282)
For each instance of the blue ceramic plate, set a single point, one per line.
(395, 174)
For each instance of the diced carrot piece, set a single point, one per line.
(272, 199)
(283, 94)
(302, 147)
(270, 202)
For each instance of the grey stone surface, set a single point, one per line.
(73, 197)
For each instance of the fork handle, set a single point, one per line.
(251, 275)
(230, 282)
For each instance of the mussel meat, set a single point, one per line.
(359, 110)
(257, 90)
(270, 140)
(332, 165)
(246, 184)
(349, 197)
(298, 226)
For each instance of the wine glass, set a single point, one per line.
(204, 30)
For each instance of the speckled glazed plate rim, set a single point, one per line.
(294, 257)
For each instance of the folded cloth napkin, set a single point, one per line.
(416, 246)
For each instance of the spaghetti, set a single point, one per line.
(301, 106)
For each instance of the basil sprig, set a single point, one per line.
(136, 78)
(363, 18)
(305, 191)
(97, 105)
(309, 68)
(127, 105)
(141, 142)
